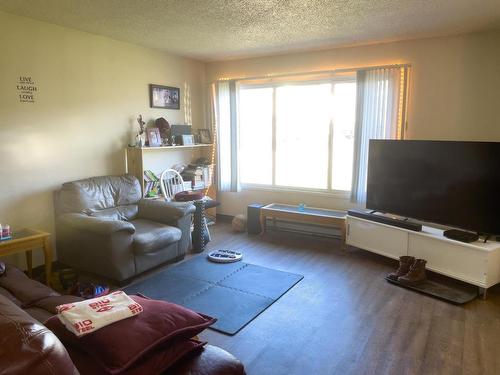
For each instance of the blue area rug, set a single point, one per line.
(234, 293)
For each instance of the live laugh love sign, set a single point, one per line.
(27, 89)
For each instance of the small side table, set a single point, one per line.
(26, 241)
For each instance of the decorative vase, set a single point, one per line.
(140, 140)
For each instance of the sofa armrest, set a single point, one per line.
(95, 224)
(164, 212)
(28, 347)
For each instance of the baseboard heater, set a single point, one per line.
(400, 223)
(302, 228)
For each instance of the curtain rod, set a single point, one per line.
(341, 70)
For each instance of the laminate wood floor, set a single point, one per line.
(344, 318)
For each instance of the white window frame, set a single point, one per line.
(273, 186)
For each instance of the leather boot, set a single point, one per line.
(416, 274)
(405, 263)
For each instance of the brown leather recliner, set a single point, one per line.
(103, 226)
(28, 347)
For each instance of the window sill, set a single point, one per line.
(340, 194)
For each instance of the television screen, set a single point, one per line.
(447, 182)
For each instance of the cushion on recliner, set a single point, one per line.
(10, 296)
(128, 212)
(39, 314)
(150, 235)
(98, 193)
(24, 289)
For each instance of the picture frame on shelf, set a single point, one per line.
(187, 139)
(154, 137)
(166, 97)
(205, 136)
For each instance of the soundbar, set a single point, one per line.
(400, 223)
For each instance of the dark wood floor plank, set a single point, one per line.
(344, 318)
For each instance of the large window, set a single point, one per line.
(297, 135)
(256, 135)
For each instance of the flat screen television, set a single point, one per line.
(452, 183)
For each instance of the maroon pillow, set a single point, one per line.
(156, 361)
(120, 345)
(187, 196)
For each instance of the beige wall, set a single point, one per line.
(455, 93)
(90, 90)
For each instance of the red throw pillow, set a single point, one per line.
(187, 196)
(120, 345)
(156, 361)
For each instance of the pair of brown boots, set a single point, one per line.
(411, 271)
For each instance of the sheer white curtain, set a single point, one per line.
(377, 117)
(224, 113)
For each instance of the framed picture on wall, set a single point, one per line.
(154, 137)
(164, 97)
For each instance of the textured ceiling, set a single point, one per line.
(221, 29)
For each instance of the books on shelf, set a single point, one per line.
(208, 175)
(200, 176)
(151, 184)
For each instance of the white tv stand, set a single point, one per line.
(476, 263)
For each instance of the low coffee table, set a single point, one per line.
(320, 216)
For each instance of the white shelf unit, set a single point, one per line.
(476, 263)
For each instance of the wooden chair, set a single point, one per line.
(171, 183)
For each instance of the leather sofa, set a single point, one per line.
(28, 347)
(105, 227)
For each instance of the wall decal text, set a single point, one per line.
(26, 88)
